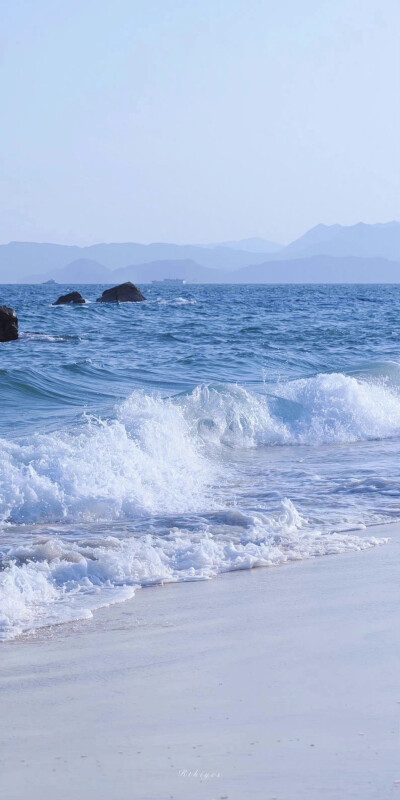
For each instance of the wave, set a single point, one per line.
(33, 336)
(164, 458)
(69, 384)
(325, 409)
(142, 461)
(341, 408)
(50, 580)
(163, 455)
(176, 301)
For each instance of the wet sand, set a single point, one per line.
(272, 683)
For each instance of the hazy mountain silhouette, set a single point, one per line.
(315, 269)
(369, 241)
(321, 269)
(83, 270)
(115, 256)
(158, 270)
(27, 261)
(19, 260)
(106, 263)
(253, 245)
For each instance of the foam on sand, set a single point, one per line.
(49, 580)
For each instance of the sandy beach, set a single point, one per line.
(271, 683)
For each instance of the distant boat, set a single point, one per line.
(173, 281)
(51, 280)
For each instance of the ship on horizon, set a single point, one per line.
(174, 281)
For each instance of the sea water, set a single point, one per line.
(208, 429)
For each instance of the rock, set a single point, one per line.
(8, 324)
(124, 293)
(71, 297)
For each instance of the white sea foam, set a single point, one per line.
(339, 408)
(233, 416)
(168, 457)
(142, 461)
(176, 301)
(49, 580)
(45, 337)
(154, 455)
(328, 408)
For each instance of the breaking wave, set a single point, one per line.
(157, 457)
(328, 408)
(176, 301)
(142, 461)
(161, 455)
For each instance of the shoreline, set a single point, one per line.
(263, 683)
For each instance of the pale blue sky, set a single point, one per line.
(197, 120)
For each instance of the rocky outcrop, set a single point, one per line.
(124, 293)
(8, 324)
(71, 297)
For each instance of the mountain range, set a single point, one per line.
(324, 254)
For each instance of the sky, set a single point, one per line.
(197, 120)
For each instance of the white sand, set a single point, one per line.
(275, 683)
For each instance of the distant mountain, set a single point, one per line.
(366, 241)
(23, 261)
(106, 263)
(315, 269)
(19, 260)
(158, 270)
(83, 270)
(322, 269)
(114, 256)
(254, 245)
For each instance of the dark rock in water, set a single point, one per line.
(124, 293)
(8, 324)
(71, 297)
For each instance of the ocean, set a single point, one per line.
(208, 429)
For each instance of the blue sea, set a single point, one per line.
(208, 429)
